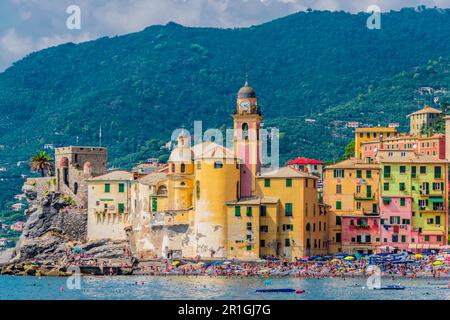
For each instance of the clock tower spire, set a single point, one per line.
(247, 145)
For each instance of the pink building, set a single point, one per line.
(396, 222)
(360, 233)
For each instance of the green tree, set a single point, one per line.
(42, 163)
(349, 151)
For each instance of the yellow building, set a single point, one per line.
(213, 202)
(351, 190)
(109, 205)
(422, 118)
(369, 134)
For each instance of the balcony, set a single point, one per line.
(361, 196)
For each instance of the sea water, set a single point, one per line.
(191, 287)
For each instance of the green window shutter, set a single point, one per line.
(154, 204)
(437, 172)
(358, 173)
(369, 191)
(413, 171)
(368, 174)
(386, 186)
(402, 202)
(402, 169)
(249, 211)
(387, 171)
(249, 226)
(288, 210)
(121, 208)
(288, 183)
(107, 188)
(121, 187)
(249, 248)
(403, 238)
(338, 205)
(267, 183)
(237, 211)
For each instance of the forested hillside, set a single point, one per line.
(140, 87)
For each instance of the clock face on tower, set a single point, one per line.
(245, 105)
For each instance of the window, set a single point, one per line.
(183, 168)
(172, 167)
(394, 238)
(358, 173)
(267, 183)
(338, 189)
(423, 169)
(262, 243)
(199, 165)
(430, 221)
(263, 211)
(387, 171)
(121, 187)
(249, 226)
(288, 210)
(413, 171)
(249, 237)
(218, 165)
(369, 191)
(287, 243)
(427, 238)
(338, 220)
(402, 169)
(288, 227)
(237, 211)
(121, 208)
(358, 205)
(197, 189)
(249, 211)
(368, 174)
(437, 172)
(338, 205)
(154, 204)
(401, 186)
(107, 188)
(338, 173)
(403, 238)
(248, 248)
(244, 131)
(438, 219)
(386, 186)
(288, 183)
(338, 237)
(402, 202)
(264, 228)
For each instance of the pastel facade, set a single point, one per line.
(109, 205)
(351, 189)
(369, 134)
(213, 202)
(419, 184)
(422, 119)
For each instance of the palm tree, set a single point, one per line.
(42, 163)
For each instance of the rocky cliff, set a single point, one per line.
(54, 227)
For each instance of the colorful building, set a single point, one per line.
(422, 119)
(414, 200)
(369, 134)
(351, 191)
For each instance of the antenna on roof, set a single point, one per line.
(100, 137)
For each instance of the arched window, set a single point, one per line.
(172, 168)
(182, 183)
(308, 227)
(162, 191)
(197, 189)
(183, 168)
(245, 131)
(218, 165)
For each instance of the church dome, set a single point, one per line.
(246, 92)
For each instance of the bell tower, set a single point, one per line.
(247, 145)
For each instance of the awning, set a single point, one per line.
(437, 199)
(432, 233)
(386, 199)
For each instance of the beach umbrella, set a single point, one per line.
(335, 260)
(437, 263)
(349, 258)
(175, 263)
(440, 258)
(418, 256)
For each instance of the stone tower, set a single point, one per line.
(73, 165)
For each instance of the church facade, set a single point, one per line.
(213, 202)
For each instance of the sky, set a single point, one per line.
(31, 25)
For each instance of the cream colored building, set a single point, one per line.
(422, 118)
(109, 205)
